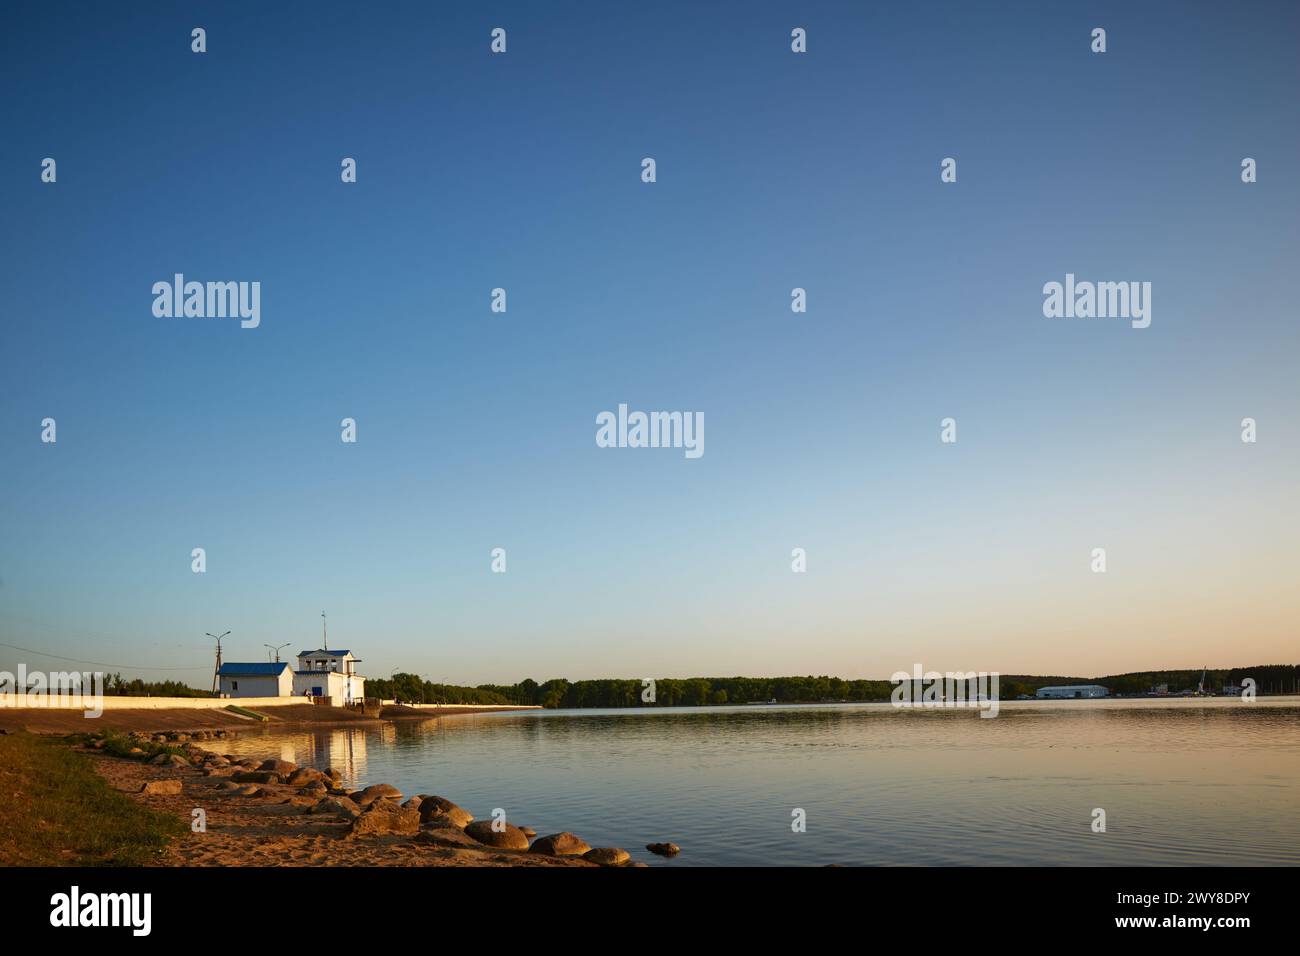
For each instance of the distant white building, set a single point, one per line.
(255, 680)
(333, 674)
(320, 673)
(1073, 691)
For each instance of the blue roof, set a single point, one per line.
(323, 651)
(255, 669)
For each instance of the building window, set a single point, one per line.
(234, 685)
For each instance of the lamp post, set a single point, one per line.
(216, 670)
(276, 649)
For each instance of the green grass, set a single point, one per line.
(120, 745)
(247, 713)
(56, 811)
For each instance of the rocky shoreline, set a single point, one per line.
(249, 812)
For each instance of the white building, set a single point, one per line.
(332, 674)
(1073, 691)
(255, 680)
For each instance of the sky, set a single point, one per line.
(476, 430)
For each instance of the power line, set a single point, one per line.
(78, 660)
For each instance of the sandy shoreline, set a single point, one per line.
(271, 830)
(275, 828)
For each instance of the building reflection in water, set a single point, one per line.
(344, 749)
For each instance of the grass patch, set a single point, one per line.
(120, 745)
(56, 811)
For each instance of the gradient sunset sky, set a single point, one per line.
(477, 430)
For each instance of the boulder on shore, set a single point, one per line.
(384, 816)
(378, 791)
(664, 849)
(279, 766)
(607, 856)
(440, 810)
(303, 776)
(560, 844)
(503, 836)
(257, 776)
(336, 806)
(161, 788)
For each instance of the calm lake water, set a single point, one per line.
(1182, 781)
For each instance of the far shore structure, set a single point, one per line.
(320, 674)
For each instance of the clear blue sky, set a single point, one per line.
(476, 430)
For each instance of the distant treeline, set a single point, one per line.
(701, 691)
(116, 686)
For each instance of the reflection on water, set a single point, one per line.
(1182, 782)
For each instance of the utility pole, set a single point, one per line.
(324, 635)
(216, 670)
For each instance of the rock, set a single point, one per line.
(383, 816)
(136, 752)
(441, 810)
(162, 788)
(528, 832)
(315, 789)
(219, 772)
(278, 766)
(256, 776)
(509, 837)
(333, 774)
(664, 849)
(303, 776)
(336, 806)
(248, 790)
(560, 844)
(218, 761)
(378, 791)
(159, 759)
(446, 836)
(607, 856)
(412, 804)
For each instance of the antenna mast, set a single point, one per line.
(324, 635)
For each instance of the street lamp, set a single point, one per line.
(216, 670)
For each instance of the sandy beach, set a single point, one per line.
(275, 829)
